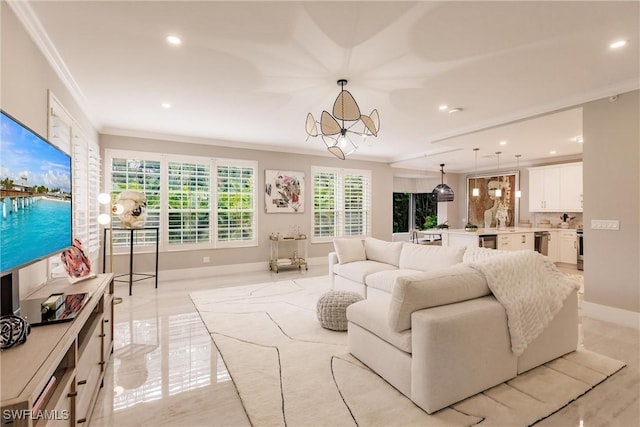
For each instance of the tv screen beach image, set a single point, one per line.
(35, 196)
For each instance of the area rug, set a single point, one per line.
(289, 371)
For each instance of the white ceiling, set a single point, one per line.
(248, 73)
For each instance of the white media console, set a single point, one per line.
(54, 377)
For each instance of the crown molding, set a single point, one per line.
(186, 139)
(34, 28)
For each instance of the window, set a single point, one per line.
(134, 173)
(412, 210)
(189, 196)
(236, 203)
(65, 133)
(341, 203)
(207, 202)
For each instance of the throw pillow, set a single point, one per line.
(349, 250)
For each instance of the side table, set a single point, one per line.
(131, 273)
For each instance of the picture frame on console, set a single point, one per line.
(487, 208)
(283, 191)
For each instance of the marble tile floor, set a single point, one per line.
(165, 370)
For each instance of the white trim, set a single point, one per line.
(34, 27)
(218, 270)
(630, 319)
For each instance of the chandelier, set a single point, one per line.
(336, 129)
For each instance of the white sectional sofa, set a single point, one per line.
(431, 326)
(371, 268)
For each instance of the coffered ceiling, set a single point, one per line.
(247, 73)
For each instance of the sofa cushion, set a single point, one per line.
(424, 258)
(371, 315)
(383, 251)
(384, 280)
(357, 271)
(433, 288)
(349, 250)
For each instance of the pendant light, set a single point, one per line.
(518, 192)
(498, 191)
(337, 134)
(476, 191)
(442, 192)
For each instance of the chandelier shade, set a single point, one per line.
(337, 129)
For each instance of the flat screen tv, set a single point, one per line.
(35, 196)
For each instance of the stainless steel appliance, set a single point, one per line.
(489, 241)
(541, 242)
(579, 233)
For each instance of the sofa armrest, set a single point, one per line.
(459, 350)
(333, 260)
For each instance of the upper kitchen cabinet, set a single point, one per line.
(571, 187)
(544, 189)
(556, 188)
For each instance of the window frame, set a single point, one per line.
(164, 160)
(340, 204)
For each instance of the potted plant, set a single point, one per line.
(431, 222)
(444, 225)
(471, 227)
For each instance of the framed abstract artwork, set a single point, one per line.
(283, 191)
(488, 209)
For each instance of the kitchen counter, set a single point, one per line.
(508, 230)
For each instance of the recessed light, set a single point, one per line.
(552, 152)
(443, 107)
(503, 142)
(166, 105)
(455, 110)
(579, 139)
(174, 40)
(618, 44)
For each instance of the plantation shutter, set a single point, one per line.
(341, 203)
(189, 194)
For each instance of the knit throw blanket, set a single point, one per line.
(528, 285)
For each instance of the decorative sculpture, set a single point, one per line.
(134, 204)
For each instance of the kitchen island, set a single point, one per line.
(560, 246)
(511, 238)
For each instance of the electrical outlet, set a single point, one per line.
(605, 224)
(206, 259)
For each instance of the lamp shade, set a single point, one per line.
(442, 192)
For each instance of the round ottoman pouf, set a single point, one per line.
(332, 309)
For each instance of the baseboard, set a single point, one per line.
(217, 270)
(630, 319)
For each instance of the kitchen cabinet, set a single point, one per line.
(516, 241)
(553, 248)
(556, 188)
(544, 189)
(568, 245)
(571, 188)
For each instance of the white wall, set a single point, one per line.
(612, 191)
